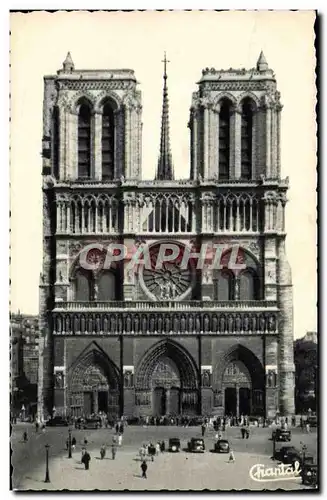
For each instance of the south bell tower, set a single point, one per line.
(235, 155)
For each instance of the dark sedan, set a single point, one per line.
(196, 445)
(289, 455)
(281, 435)
(57, 422)
(174, 444)
(222, 446)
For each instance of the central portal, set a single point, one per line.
(165, 385)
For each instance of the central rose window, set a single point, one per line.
(169, 281)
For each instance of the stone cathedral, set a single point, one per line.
(140, 341)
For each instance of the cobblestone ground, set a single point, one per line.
(180, 471)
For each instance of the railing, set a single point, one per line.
(141, 305)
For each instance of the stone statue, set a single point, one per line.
(97, 324)
(127, 379)
(262, 323)
(254, 323)
(272, 323)
(90, 327)
(58, 326)
(230, 324)
(82, 324)
(67, 324)
(191, 324)
(198, 324)
(238, 323)
(105, 324)
(76, 324)
(144, 324)
(167, 324)
(95, 291)
(206, 378)
(120, 324)
(271, 377)
(183, 323)
(214, 323)
(59, 380)
(128, 324)
(113, 324)
(222, 324)
(176, 324)
(206, 323)
(136, 324)
(160, 324)
(152, 324)
(246, 323)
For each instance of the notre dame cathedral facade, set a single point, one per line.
(140, 341)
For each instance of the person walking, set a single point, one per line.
(144, 468)
(203, 429)
(247, 432)
(86, 460)
(158, 448)
(102, 452)
(243, 432)
(113, 451)
(120, 439)
(83, 451)
(25, 438)
(231, 456)
(37, 426)
(74, 443)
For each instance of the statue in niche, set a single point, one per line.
(95, 291)
(97, 324)
(128, 379)
(128, 324)
(262, 323)
(254, 323)
(144, 324)
(67, 324)
(198, 324)
(136, 324)
(76, 324)
(218, 398)
(190, 324)
(246, 323)
(222, 324)
(272, 323)
(271, 378)
(59, 380)
(152, 324)
(206, 378)
(176, 324)
(82, 324)
(230, 324)
(90, 327)
(183, 324)
(238, 323)
(58, 324)
(206, 323)
(167, 324)
(159, 323)
(214, 322)
(113, 324)
(120, 324)
(105, 324)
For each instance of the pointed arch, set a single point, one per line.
(84, 111)
(248, 107)
(108, 138)
(225, 107)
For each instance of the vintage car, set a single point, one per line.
(309, 473)
(281, 435)
(312, 421)
(57, 422)
(222, 446)
(88, 423)
(196, 445)
(174, 444)
(289, 455)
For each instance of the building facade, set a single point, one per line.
(148, 340)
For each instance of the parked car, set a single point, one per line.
(313, 421)
(309, 474)
(79, 422)
(174, 444)
(281, 435)
(57, 422)
(89, 423)
(222, 446)
(289, 455)
(196, 445)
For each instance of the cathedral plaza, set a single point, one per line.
(200, 323)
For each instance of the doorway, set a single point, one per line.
(159, 401)
(245, 401)
(103, 401)
(230, 401)
(174, 406)
(88, 403)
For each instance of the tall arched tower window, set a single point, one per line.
(84, 140)
(246, 139)
(108, 144)
(55, 141)
(224, 139)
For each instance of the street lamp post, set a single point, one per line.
(69, 443)
(47, 477)
(274, 446)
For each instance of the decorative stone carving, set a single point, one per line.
(128, 324)
(238, 323)
(59, 379)
(206, 378)
(230, 324)
(206, 323)
(217, 398)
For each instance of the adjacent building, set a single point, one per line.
(137, 340)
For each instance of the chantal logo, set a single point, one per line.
(261, 473)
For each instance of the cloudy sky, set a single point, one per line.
(193, 41)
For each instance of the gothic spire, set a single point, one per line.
(165, 170)
(262, 64)
(68, 64)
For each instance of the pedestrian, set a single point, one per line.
(102, 452)
(120, 439)
(86, 460)
(144, 468)
(117, 428)
(151, 451)
(74, 443)
(43, 427)
(113, 451)
(36, 426)
(203, 429)
(158, 448)
(25, 438)
(243, 432)
(162, 446)
(231, 456)
(85, 441)
(247, 433)
(307, 427)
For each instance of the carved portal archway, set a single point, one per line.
(242, 382)
(94, 386)
(167, 381)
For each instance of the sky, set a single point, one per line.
(193, 41)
